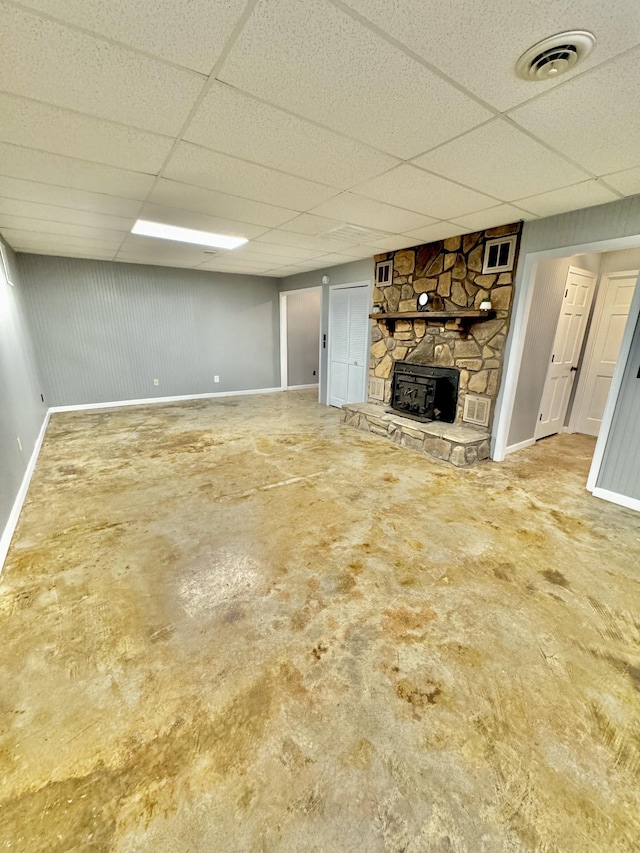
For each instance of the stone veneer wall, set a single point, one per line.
(452, 269)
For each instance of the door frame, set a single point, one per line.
(612, 400)
(284, 348)
(598, 310)
(587, 274)
(332, 288)
(519, 325)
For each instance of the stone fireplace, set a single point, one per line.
(425, 365)
(450, 271)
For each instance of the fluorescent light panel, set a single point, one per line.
(186, 235)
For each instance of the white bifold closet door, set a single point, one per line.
(348, 344)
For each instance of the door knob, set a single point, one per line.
(574, 368)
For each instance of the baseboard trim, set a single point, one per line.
(301, 387)
(615, 498)
(519, 446)
(16, 509)
(148, 400)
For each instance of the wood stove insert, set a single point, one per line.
(425, 393)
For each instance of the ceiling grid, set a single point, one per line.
(282, 120)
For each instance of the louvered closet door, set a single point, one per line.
(348, 340)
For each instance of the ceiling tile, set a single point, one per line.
(32, 240)
(32, 165)
(358, 252)
(273, 249)
(174, 194)
(85, 254)
(268, 261)
(313, 226)
(51, 213)
(478, 46)
(20, 235)
(333, 259)
(391, 244)
(201, 167)
(218, 265)
(23, 223)
(358, 210)
(235, 123)
(59, 131)
(49, 62)
(586, 194)
(80, 200)
(627, 182)
(191, 34)
(244, 254)
(280, 237)
(283, 272)
(152, 260)
(341, 74)
(502, 214)
(200, 221)
(139, 246)
(589, 118)
(502, 161)
(439, 231)
(412, 188)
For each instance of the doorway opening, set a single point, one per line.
(300, 327)
(574, 338)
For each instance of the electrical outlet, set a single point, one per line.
(216, 379)
(156, 381)
(19, 443)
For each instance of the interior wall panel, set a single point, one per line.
(620, 469)
(21, 410)
(105, 331)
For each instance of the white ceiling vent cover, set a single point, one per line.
(555, 55)
(476, 410)
(358, 234)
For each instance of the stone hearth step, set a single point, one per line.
(459, 444)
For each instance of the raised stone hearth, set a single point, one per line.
(460, 445)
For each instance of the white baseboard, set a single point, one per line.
(300, 387)
(12, 521)
(148, 400)
(14, 515)
(615, 498)
(519, 446)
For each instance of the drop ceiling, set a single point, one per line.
(283, 120)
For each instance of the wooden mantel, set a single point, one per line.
(465, 317)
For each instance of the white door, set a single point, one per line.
(348, 344)
(612, 309)
(619, 475)
(567, 345)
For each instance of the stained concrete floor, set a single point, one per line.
(236, 625)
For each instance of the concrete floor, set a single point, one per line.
(236, 625)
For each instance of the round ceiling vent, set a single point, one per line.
(555, 55)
